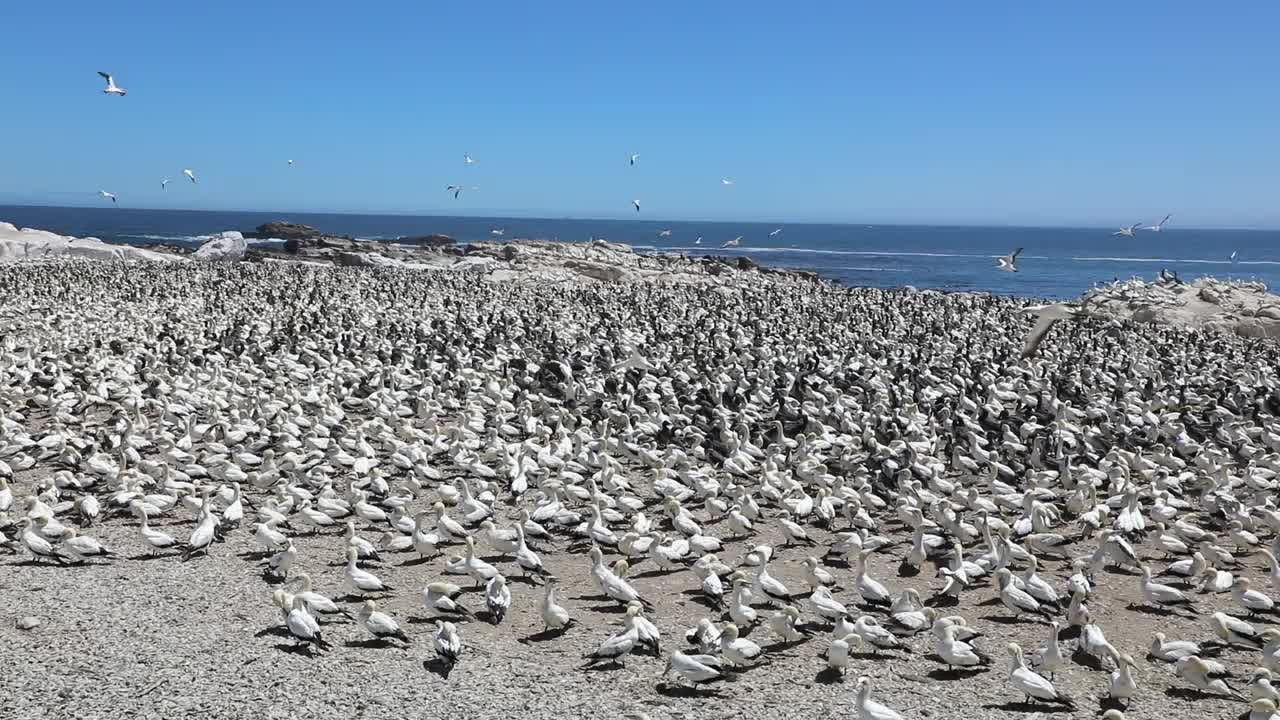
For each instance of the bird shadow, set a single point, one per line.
(416, 561)
(276, 630)
(530, 580)
(602, 666)
(371, 643)
(1110, 703)
(1007, 620)
(1156, 611)
(954, 673)
(906, 569)
(438, 666)
(146, 557)
(295, 649)
(1190, 694)
(607, 609)
(656, 572)
(940, 601)
(544, 636)
(684, 691)
(1021, 706)
(990, 601)
(1082, 658)
(785, 645)
(597, 597)
(828, 676)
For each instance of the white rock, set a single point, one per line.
(27, 244)
(227, 247)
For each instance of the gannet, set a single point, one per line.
(1049, 658)
(955, 652)
(1261, 709)
(40, 548)
(1260, 686)
(362, 581)
(869, 709)
(1251, 600)
(554, 616)
(164, 184)
(609, 583)
(726, 181)
(694, 669)
(190, 176)
(617, 646)
(83, 547)
(303, 626)
(634, 157)
(732, 243)
(497, 598)
(1172, 650)
(1046, 316)
(839, 649)
(468, 160)
(775, 232)
(1006, 262)
(440, 599)
(154, 539)
(1122, 685)
(1030, 684)
(316, 602)
(447, 643)
(1016, 600)
(108, 196)
(111, 88)
(1161, 595)
(1234, 631)
(380, 625)
(636, 203)
(737, 650)
(783, 624)
(279, 564)
(1126, 231)
(1158, 226)
(1201, 676)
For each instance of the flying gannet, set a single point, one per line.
(1005, 263)
(190, 176)
(1160, 225)
(1126, 231)
(108, 196)
(111, 88)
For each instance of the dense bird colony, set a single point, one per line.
(281, 490)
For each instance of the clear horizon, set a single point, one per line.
(1023, 116)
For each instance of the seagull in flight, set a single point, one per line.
(111, 88)
(633, 157)
(1127, 231)
(637, 204)
(468, 160)
(190, 175)
(775, 233)
(1158, 226)
(665, 232)
(108, 195)
(698, 241)
(498, 231)
(726, 181)
(1233, 255)
(1006, 262)
(1046, 316)
(732, 243)
(163, 183)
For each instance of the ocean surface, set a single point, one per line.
(1055, 262)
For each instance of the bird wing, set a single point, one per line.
(106, 76)
(1165, 220)
(1036, 336)
(1016, 252)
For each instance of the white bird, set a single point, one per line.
(726, 181)
(190, 175)
(665, 232)
(698, 241)
(1127, 231)
(1202, 676)
(775, 232)
(111, 88)
(869, 709)
(1046, 316)
(732, 243)
(380, 625)
(498, 231)
(290, 162)
(497, 598)
(618, 645)
(303, 626)
(469, 161)
(1029, 683)
(839, 649)
(108, 196)
(164, 183)
(1005, 263)
(1233, 255)
(637, 204)
(695, 669)
(1158, 226)
(360, 580)
(634, 157)
(447, 643)
(554, 616)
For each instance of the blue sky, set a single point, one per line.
(1085, 113)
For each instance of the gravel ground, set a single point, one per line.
(161, 638)
(142, 637)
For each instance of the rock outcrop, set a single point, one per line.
(280, 230)
(1243, 308)
(429, 241)
(228, 247)
(28, 244)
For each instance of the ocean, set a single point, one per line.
(1055, 262)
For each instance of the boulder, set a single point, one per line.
(746, 263)
(605, 244)
(604, 273)
(27, 244)
(429, 241)
(510, 252)
(228, 247)
(281, 230)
